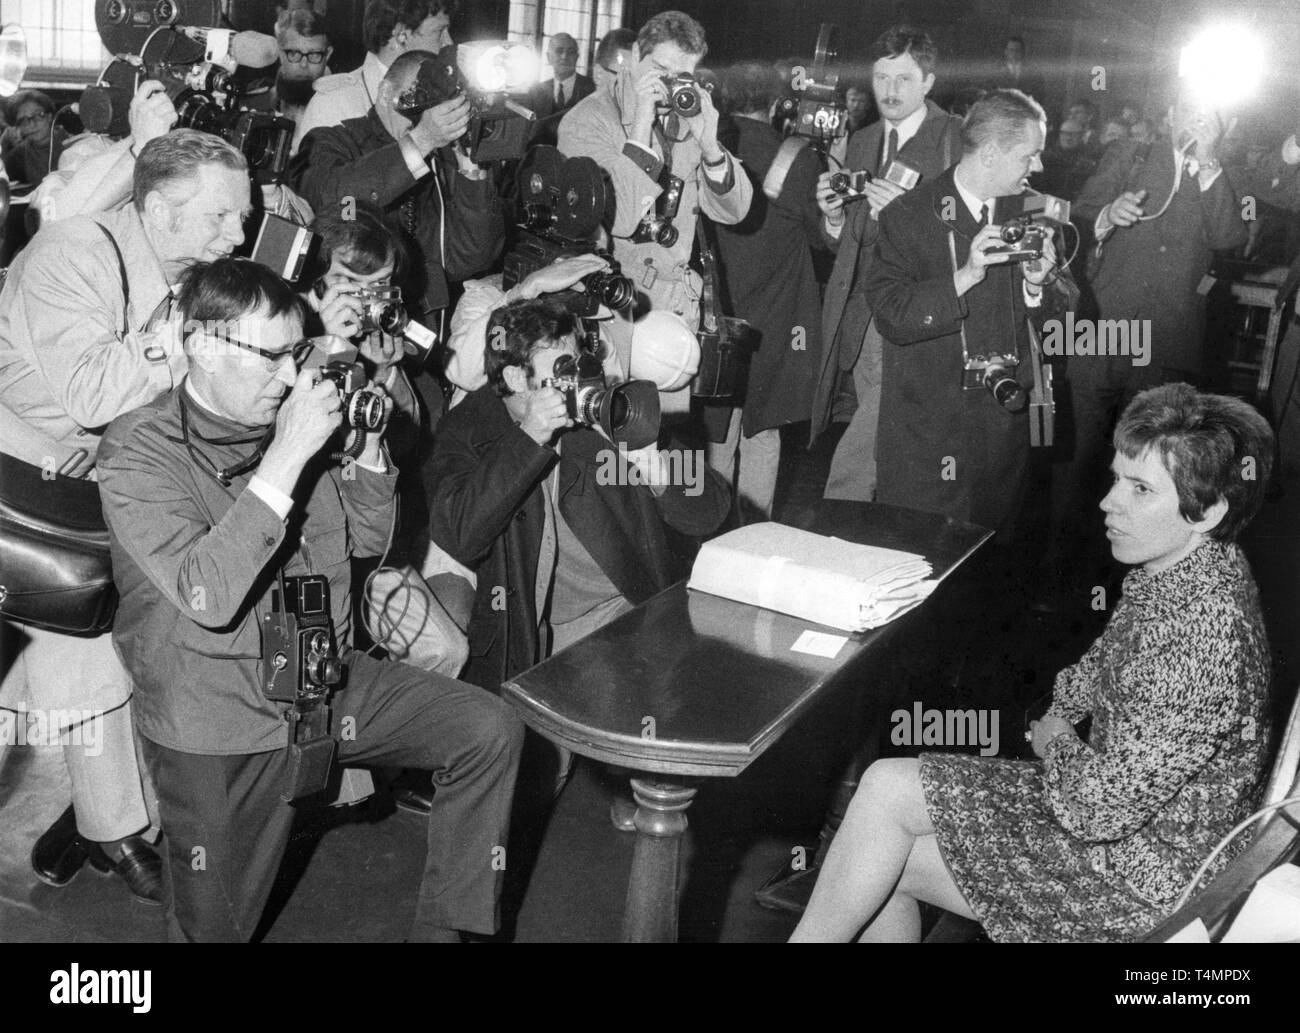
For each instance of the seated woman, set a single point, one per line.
(1097, 839)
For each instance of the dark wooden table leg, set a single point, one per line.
(650, 915)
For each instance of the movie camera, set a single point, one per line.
(491, 74)
(202, 70)
(813, 106)
(564, 202)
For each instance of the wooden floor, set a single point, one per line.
(353, 876)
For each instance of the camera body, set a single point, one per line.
(683, 94)
(300, 659)
(813, 105)
(382, 309)
(628, 413)
(336, 361)
(851, 184)
(1023, 237)
(656, 226)
(996, 374)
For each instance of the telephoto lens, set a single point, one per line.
(613, 290)
(1005, 388)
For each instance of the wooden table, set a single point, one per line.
(689, 684)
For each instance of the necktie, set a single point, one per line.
(891, 149)
(559, 95)
(984, 215)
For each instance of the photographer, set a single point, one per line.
(646, 147)
(417, 174)
(86, 335)
(917, 132)
(205, 517)
(389, 28)
(523, 497)
(941, 291)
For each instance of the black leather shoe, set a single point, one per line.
(59, 854)
(140, 868)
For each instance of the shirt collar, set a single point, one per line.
(568, 83)
(973, 203)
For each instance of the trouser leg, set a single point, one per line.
(108, 793)
(760, 461)
(470, 740)
(225, 832)
(853, 467)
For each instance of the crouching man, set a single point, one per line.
(216, 495)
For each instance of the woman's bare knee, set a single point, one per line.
(893, 787)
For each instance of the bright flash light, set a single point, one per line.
(1222, 65)
(500, 67)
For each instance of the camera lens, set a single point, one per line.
(1012, 232)
(326, 670)
(318, 642)
(614, 291)
(665, 234)
(364, 409)
(840, 183)
(1004, 387)
(391, 317)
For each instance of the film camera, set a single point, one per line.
(683, 94)
(656, 226)
(850, 185)
(996, 374)
(813, 107)
(336, 360)
(627, 413)
(209, 95)
(301, 666)
(1025, 221)
(489, 74)
(564, 203)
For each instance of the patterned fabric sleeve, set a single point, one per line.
(1076, 685)
(1178, 697)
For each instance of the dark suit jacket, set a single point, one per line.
(487, 511)
(358, 159)
(845, 312)
(941, 448)
(542, 101)
(1151, 270)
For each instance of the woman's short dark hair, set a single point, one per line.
(672, 27)
(904, 39)
(361, 238)
(1213, 446)
(382, 17)
(518, 330)
(220, 293)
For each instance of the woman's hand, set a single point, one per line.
(1045, 730)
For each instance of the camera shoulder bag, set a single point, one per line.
(55, 569)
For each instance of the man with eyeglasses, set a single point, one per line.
(216, 494)
(389, 28)
(86, 334)
(304, 57)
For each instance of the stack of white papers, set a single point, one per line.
(825, 580)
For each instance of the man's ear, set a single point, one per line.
(157, 207)
(516, 379)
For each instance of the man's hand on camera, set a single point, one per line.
(151, 114)
(440, 125)
(340, 311)
(650, 93)
(560, 275)
(879, 193)
(308, 417)
(1041, 270)
(979, 259)
(704, 127)
(829, 201)
(545, 413)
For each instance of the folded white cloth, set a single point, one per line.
(816, 578)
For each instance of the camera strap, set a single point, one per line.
(952, 250)
(224, 475)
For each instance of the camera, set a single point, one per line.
(488, 74)
(814, 107)
(382, 309)
(628, 413)
(1023, 238)
(301, 665)
(996, 374)
(563, 205)
(850, 184)
(208, 97)
(336, 360)
(683, 94)
(299, 656)
(656, 227)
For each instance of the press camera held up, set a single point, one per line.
(202, 69)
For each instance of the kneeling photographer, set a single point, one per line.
(563, 526)
(232, 525)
